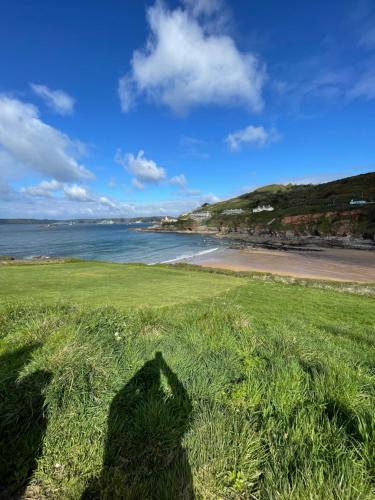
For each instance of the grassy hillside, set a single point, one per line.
(331, 198)
(303, 198)
(242, 388)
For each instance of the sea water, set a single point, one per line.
(112, 242)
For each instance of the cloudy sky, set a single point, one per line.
(126, 108)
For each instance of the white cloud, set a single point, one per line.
(73, 201)
(137, 184)
(51, 185)
(32, 143)
(256, 136)
(184, 190)
(77, 193)
(327, 78)
(184, 65)
(178, 180)
(144, 170)
(44, 189)
(364, 87)
(103, 200)
(127, 93)
(58, 100)
(71, 193)
(203, 7)
(36, 191)
(209, 198)
(19, 205)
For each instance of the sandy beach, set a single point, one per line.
(325, 264)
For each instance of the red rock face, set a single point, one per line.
(297, 220)
(341, 223)
(349, 215)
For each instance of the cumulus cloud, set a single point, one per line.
(51, 185)
(44, 189)
(73, 194)
(19, 205)
(32, 143)
(58, 100)
(184, 190)
(77, 193)
(36, 191)
(203, 7)
(255, 136)
(144, 170)
(178, 180)
(184, 64)
(103, 200)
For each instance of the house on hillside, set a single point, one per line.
(200, 215)
(232, 211)
(263, 208)
(168, 220)
(358, 202)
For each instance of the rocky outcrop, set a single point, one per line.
(325, 229)
(342, 223)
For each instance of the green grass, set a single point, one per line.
(259, 389)
(100, 284)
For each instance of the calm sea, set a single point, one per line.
(117, 242)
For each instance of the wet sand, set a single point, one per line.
(326, 264)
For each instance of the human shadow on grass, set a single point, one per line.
(23, 421)
(144, 457)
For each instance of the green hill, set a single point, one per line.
(273, 188)
(327, 208)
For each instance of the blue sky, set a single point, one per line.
(139, 108)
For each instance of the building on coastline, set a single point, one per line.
(168, 220)
(358, 202)
(233, 211)
(200, 215)
(263, 208)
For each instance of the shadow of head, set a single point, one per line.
(22, 420)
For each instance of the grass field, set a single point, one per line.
(187, 383)
(102, 284)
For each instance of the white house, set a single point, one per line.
(358, 202)
(200, 215)
(263, 208)
(167, 220)
(232, 211)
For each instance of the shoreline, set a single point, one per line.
(335, 264)
(327, 264)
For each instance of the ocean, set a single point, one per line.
(116, 242)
